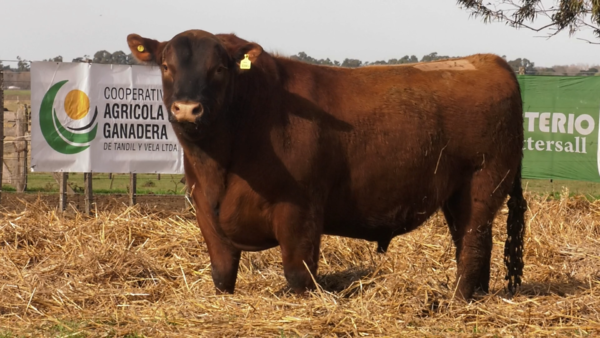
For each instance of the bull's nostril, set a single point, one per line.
(197, 110)
(175, 108)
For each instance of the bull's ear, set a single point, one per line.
(145, 50)
(238, 47)
(252, 49)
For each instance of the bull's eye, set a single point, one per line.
(221, 69)
(165, 68)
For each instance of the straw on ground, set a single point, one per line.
(145, 272)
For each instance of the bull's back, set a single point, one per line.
(468, 105)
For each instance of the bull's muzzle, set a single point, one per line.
(186, 111)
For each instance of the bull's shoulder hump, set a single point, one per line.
(468, 63)
(460, 64)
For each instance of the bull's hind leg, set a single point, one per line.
(470, 213)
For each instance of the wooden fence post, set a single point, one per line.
(89, 197)
(26, 142)
(1, 129)
(21, 148)
(112, 179)
(62, 191)
(132, 189)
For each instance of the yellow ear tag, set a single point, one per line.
(141, 48)
(245, 63)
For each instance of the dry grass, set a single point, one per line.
(134, 272)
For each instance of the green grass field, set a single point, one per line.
(171, 185)
(16, 95)
(102, 184)
(590, 190)
(23, 95)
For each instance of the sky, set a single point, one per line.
(336, 29)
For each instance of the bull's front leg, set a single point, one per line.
(298, 232)
(224, 257)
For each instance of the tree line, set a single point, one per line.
(354, 63)
(102, 57)
(519, 65)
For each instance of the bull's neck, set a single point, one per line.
(256, 102)
(302, 78)
(213, 144)
(206, 160)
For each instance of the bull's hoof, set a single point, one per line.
(382, 246)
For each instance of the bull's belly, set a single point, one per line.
(250, 238)
(395, 208)
(255, 234)
(374, 215)
(375, 227)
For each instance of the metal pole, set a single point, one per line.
(132, 189)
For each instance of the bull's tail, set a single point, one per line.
(513, 248)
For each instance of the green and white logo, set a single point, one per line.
(67, 140)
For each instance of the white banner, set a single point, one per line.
(100, 118)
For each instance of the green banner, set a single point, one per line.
(561, 121)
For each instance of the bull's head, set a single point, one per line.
(198, 69)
